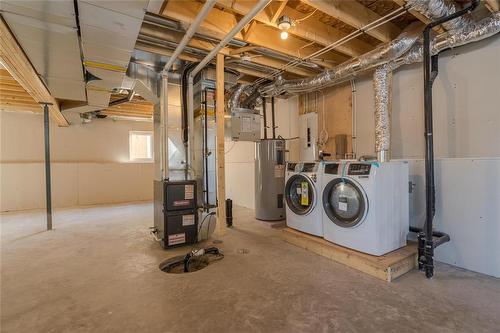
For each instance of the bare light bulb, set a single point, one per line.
(284, 35)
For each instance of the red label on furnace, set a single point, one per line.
(181, 203)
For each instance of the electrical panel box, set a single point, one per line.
(245, 125)
(308, 136)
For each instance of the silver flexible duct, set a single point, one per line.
(483, 29)
(382, 86)
(435, 9)
(406, 49)
(348, 69)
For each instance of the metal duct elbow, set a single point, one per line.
(382, 85)
(435, 9)
(234, 100)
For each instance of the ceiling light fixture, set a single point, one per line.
(284, 23)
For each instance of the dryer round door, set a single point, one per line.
(344, 202)
(300, 194)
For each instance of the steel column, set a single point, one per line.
(48, 189)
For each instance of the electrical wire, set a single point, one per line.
(370, 26)
(306, 17)
(231, 148)
(204, 219)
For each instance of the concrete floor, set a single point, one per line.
(98, 272)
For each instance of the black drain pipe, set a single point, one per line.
(272, 118)
(426, 242)
(265, 117)
(229, 212)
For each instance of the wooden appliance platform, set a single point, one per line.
(386, 267)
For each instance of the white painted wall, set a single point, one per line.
(240, 156)
(90, 163)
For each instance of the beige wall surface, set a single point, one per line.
(90, 163)
(240, 156)
(466, 106)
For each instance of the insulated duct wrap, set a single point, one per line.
(382, 85)
(483, 29)
(472, 33)
(349, 69)
(435, 9)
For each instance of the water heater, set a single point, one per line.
(269, 179)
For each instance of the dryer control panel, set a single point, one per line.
(359, 169)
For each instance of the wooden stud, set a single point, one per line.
(221, 175)
(492, 5)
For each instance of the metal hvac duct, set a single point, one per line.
(410, 47)
(435, 9)
(483, 29)
(348, 69)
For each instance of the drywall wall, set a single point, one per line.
(466, 145)
(466, 108)
(90, 163)
(240, 156)
(334, 109)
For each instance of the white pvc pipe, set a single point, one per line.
(164, 128)
(234, 31)
(190, 33)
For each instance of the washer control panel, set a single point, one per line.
(359, 169)
(332, 168)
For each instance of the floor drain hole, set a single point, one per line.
(192, 262)
(243, 251)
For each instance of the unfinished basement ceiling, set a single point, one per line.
(67, 53)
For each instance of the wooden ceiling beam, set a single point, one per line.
(492, 5)
(311, 29)
(278, 11)
(218, 23)
(356, 15)
(172, 36)
(18, 65)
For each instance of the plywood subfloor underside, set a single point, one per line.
(97, 272)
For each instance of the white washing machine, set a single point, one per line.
(302, 197)
(366, 207)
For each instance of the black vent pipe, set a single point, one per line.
(264, 116)
(426, 242)
(272, 118)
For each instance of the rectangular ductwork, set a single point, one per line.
(81, 49)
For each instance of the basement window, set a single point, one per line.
(141, 146)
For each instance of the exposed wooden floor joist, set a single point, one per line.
(18, 65)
